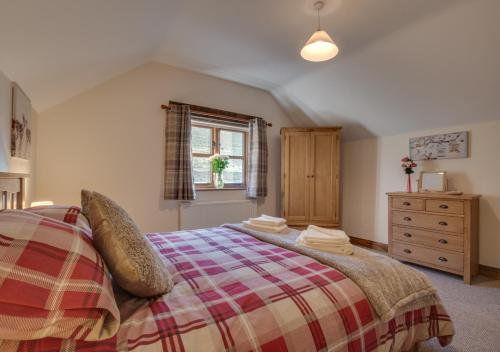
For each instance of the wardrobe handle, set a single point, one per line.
(406, 234)
(443, 241)
(407, 204)
(406, 250)
(443, 259)
(443, 223)
(443, 206)
(407, 218)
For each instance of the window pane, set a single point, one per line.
(234, 171)
(231, 143)
(201, 170)
(201, 140)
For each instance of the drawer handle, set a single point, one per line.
(443, 259)
(407, 204)
(443, 206)
(443, 223)
(443, 241)
(406, 250)
(407, 218)
(406, 234)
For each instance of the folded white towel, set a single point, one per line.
(320, 241)
(347, 249)
(344, 249)
(312, 236)
(268, 220)
(328, 232)
(317, 237)
(265, 228)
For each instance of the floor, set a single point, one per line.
(475, 310)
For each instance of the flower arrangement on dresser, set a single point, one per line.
(408, 164)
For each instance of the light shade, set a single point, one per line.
(320, 47)
(42, 203)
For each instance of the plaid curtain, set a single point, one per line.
(257, 168)
(179, 182)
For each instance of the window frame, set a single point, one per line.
(216, 128)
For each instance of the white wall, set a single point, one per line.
(5, 120)
(7, 163)
(372, 167)
(111, 139)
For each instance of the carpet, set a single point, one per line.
(474, 309)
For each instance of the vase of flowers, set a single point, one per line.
(219, 164)
(408, 164)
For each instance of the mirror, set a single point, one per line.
(432, 182)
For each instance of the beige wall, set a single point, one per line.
(7, 163)
(371, 168)
(111, 139)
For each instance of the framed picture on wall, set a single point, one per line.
(20, 142)
(440, 146)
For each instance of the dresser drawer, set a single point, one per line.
(408, 203)
(428, 238)
(428, 221)
(444, 206)
(453, 261)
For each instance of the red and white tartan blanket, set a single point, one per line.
(235, 293)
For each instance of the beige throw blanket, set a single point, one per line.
(391, 287)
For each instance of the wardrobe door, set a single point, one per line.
(324, 178)
(294, 181)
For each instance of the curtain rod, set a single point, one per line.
(210, 112)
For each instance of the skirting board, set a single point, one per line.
(369, 244)
(488, 271)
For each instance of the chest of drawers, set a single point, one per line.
(435, 230)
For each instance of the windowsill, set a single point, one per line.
(229, 188)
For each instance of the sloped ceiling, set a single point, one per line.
(404, 64)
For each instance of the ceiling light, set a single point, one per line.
(320, 47)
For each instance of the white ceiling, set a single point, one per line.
(404, 64)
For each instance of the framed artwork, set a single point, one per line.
(20, 142)
(440, 146)
(432, 181)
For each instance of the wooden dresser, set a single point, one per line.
(435, 230)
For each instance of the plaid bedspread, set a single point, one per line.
(235, 293)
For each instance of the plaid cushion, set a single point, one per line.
(235, 293)
(52, 282)
(68, 214)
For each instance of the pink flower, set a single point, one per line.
(405, 159)
(413, 165)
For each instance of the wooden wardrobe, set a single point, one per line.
(310, 166)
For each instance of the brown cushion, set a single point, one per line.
(133, 262)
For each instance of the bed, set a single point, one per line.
(234, 292)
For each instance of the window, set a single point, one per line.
(208, 139)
